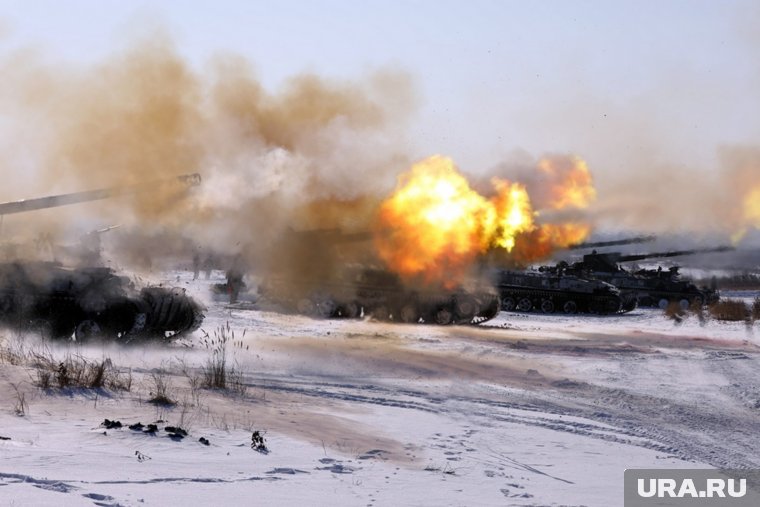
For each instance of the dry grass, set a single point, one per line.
(21, 407)
(72, 371)
(75, 371)
(729, 310)
(160, 389)
(221, 371)
(675, 312)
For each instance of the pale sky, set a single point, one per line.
(621, 84)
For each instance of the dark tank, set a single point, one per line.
(90, 301)
(382, 295)
(322, 281)
(552, 290)
(95, 302)
(652, 287)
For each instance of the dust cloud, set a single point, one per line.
(319, 153)
(311, 154)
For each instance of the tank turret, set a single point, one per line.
(652, 286)
(609, 260)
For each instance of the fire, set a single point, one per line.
(545, 239)
(750, 214)
(569, 182)
(513, 211)
(752, 206)
(434, 226)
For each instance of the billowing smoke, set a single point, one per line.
(311, 154)
(664, 198)
(322, 154)
(676, 199)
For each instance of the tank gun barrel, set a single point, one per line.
(625, 241)
(675, 253)
(54, 201)
(104, 229)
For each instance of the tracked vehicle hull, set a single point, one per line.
(655, 288)
(652, 287)
(553, 293)
(380, 295)
(91, 303)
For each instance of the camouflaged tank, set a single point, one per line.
(92, 301)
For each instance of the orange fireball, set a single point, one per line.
(544, 240)
(750, 214)
(569, 182)
(752, 207)
(435, 225)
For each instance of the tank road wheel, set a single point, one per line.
(508, 304)
(570, 307)
(380, 313)
(547, 306)
(409, 313)
(613, 306)
(326, 308)
(465, 308)
(630, 303)
(444, 316)
(662, 303)
(684, 304)
(87, 330)
(306, 306)
(487, 310)
(350, 310)
(525, 305)
(47, 331)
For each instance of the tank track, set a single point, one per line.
(385, 304)
(158, 313)
(547, 301)
(661, 299)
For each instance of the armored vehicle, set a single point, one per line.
(381, 294)
(92, 301)
(324, 279)
(552, 290)
(95, 302)
(652, 287)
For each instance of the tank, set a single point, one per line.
(381, 294)
(93, 302)
(90, 301)
(327, 287)
(652, 287)
(551, 290)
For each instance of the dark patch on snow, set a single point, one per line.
(109, 425)
(288, 471)
(374, 454)
(338, 468)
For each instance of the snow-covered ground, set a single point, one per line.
(526, 409)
